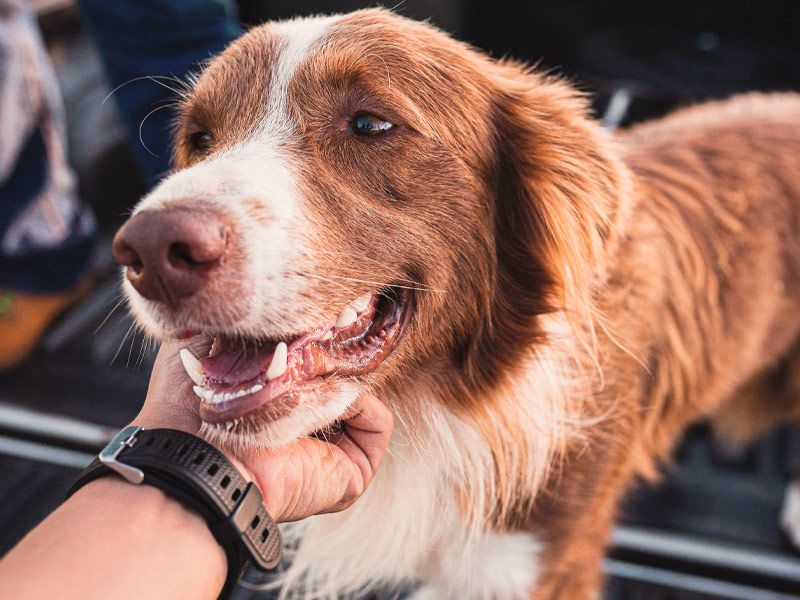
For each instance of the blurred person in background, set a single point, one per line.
(46, 233)
(148, 48)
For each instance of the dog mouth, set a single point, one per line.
(266, 378)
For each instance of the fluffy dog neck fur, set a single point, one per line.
(444, 485)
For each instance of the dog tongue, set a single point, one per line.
(236, 361)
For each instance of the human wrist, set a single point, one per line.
(153, 521)
(147, 502)
(197, 474)
(112, 539)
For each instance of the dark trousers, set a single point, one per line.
(160, 39)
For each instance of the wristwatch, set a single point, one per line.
(198, 475)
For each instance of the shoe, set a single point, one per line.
(24, 318)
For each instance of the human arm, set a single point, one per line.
(114, 539)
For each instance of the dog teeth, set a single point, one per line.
(278, 365)
(209, 395)
(192, 366)
(351, 311)
(361, 303)
(347, 318)
(206, 394)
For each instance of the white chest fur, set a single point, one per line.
(408, 527)
(499, 567)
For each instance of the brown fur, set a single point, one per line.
(672, 250)
(703, 290)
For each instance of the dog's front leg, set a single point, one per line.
(571, 569)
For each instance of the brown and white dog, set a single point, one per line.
(362, 203)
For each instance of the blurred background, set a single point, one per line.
(709, 530)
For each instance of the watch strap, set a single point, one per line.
(200, 476)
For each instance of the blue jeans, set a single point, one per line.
(46, 233)
(47, 269)
(136, 39)
(159, 38)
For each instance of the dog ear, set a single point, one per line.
(555, 184)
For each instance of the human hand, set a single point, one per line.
(309, 476)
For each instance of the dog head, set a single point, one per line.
(362, 203)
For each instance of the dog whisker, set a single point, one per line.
(330, 277)
(119, 302)
(125, 337)
(154, 79)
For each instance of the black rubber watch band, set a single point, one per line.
(198, 475)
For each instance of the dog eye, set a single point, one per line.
(200, 140)
(366, 124)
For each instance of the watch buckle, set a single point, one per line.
(108, 455)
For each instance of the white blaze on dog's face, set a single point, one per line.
(333, 194)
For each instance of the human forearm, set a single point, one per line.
(116, 540)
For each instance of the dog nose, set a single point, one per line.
(169, 254)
